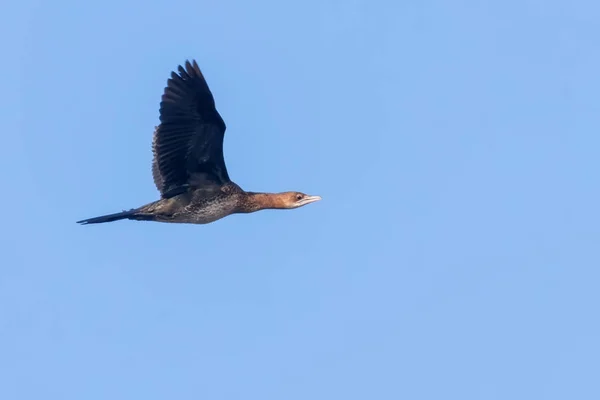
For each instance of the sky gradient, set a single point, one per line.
(455, 253)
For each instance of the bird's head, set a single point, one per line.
(296, 199)
(282, 201)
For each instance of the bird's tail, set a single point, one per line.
(129, 214)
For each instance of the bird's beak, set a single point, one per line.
(310, 199)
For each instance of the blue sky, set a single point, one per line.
(455, 252)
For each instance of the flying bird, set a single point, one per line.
(188, 167)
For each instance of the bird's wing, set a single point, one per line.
(188, 143)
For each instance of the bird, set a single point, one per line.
(188, 165)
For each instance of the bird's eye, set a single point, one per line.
(299, 197)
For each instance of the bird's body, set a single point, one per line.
(188, 166)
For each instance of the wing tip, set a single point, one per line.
(191, 68)
(186, 71)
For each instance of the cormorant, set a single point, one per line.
(188, 167)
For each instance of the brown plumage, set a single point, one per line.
(188, 167)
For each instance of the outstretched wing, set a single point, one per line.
(188, 143)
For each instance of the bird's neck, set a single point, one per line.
(262, 201)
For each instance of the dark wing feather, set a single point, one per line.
(158, 181)
(188, 143)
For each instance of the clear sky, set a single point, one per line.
(455, 254)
